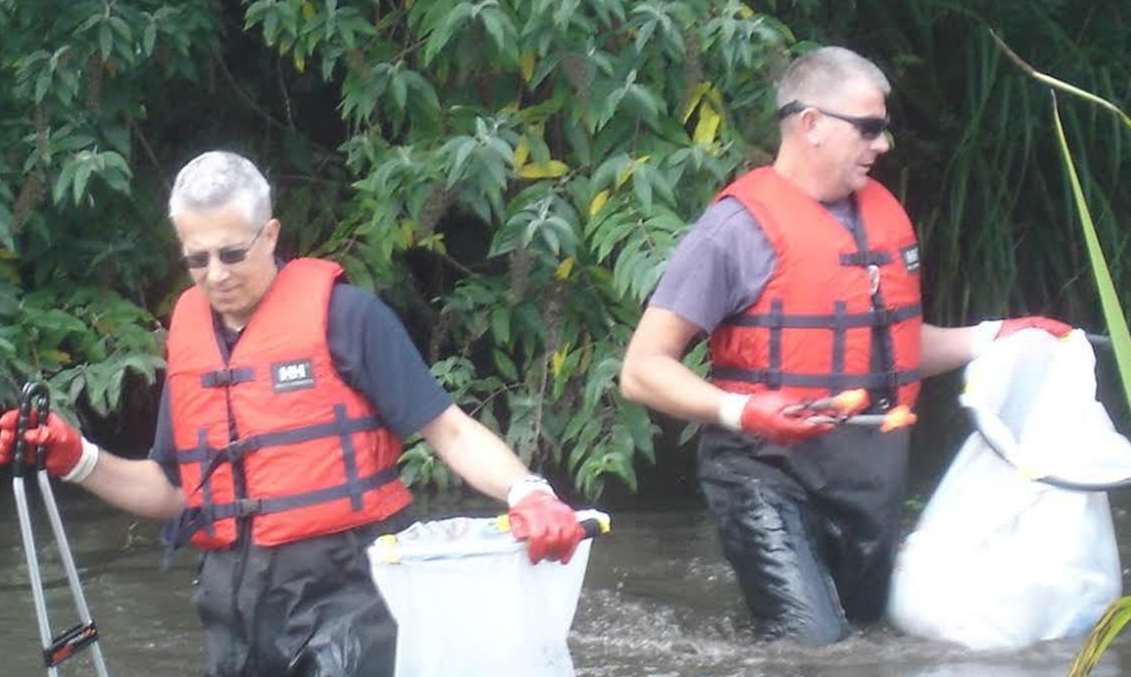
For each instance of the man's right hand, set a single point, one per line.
(765, 415)
(63, 445)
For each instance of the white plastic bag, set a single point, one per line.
(997, 559)
(468, 602)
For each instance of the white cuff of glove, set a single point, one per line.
(526, 486)
(983, 335)
(86, 463)
(731, 406)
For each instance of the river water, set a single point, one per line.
(658, 601)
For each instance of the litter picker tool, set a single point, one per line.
(838, 409)
(56, 649)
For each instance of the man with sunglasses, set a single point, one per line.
(805, 276)
(286, 394)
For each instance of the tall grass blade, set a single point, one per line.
(1112, 622)
(1059, 84)
(1109, 301)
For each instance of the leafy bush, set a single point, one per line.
(549, 155)
(80, 250)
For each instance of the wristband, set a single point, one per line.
(526, 486)
(85, 465)
(731, 406)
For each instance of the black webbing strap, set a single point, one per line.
(240, 448)
(222, 378)
(872, 318)
(246, 507)
(865, 258)
(871, 381)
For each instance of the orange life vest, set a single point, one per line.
(810, 332)
(273, 433)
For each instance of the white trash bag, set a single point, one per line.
(999, 560)
(468, 602)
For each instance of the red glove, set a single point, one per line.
(1054, 327)
(64, 444)
(8, 435)
(547, 524)
(764, 415)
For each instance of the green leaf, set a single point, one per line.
(501, 324)
(505, 365)
(1109, 298)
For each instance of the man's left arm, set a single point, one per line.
(374, 354)
(475, 453)
(946, 348)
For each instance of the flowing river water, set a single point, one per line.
(659, 600)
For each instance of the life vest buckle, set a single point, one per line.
(246, 507)
(236, 450)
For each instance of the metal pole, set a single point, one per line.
(32, 564)
(69, 566)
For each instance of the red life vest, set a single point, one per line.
(272, 432)
(810, 332)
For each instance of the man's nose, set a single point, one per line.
(217, 271)
(882, 143)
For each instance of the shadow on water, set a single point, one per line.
(659, 600)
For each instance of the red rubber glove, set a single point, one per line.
(1016, 324)
(548, 525)
(8, 435)
(765, 416)
(63, 443)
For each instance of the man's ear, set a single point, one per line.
(809, 122)
(271, 232)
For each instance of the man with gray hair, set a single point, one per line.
(805, 276)
(286, 394)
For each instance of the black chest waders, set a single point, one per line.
(56, 649)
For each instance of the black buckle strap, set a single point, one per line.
(835, 382)
(222, 378)
(863, 259)
(246, 507)
(881, 317)
(194, 519)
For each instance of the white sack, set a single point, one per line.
(468, 602)
(1000, 561)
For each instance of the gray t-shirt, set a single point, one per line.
(722, 264)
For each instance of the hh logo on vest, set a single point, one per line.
(292, 375)
(911, 258)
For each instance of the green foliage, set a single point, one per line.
(534, 148)
(78, 248)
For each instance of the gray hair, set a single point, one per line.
(813, 76)
(219, 178)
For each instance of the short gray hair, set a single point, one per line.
(219, 178)
(816, 74)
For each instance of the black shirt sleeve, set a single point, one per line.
(164, 449)
(373, 354)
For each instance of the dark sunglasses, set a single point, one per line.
(228, 255)
(869, 127)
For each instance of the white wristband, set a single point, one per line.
(731, 406)
(982, 335)
(86, 463)
(526, 486)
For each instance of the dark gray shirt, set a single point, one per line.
(722, 264)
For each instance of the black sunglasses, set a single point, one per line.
(227, 255)
(869, 127)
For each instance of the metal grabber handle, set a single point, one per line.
(55, 649)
